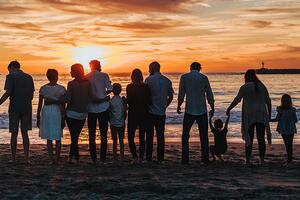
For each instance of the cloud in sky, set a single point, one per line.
(135, 32)
(260, 23)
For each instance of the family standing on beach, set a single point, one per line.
(145, 104)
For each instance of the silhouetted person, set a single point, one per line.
(50, 118)
(139, 100)
(78, 96)
(19, 88)
(162, 96)
(118, 114)
(196, 87)
(256, 111)
(219, 131)
(286, 127)
(98, 110)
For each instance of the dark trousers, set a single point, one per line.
(156, 122)
(102, 118)
(75, 126)
(260, 134)
(288, 142)
(188, 122)
(137, 122)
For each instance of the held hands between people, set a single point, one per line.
(211, 113)
(179, 110)
(228, 112)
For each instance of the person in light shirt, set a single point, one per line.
(118, 114)
(98, 110)
(195, 87)
(162, 96)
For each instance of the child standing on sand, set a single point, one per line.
(287, 119)
(118, 114)
(220, 135)
(50, 118)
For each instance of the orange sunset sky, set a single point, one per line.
(224, 35)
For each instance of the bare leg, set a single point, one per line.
(212, 152)
(26, 145)
(50, 150)
(220, 158)
(13, 146)
(57, 150)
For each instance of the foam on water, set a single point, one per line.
(225, 87)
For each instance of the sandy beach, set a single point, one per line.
(170, 180)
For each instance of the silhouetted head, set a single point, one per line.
(286, 101)
(137, 76)
(52, 75)
(218, 124)
(196, 66)
(77, 71)
(95, 65)
(250, 76)
(117, 88)
(13, 65)
(154, 67)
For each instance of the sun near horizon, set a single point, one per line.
(225, 36)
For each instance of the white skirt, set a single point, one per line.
(50, 123)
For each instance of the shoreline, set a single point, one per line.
(172, 134)
(170, 180)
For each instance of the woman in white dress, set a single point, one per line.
(50, 118)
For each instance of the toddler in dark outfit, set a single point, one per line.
(220, 133)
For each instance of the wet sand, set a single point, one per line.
(170, 180)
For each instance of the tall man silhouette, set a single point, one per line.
(196, 87)
(162, 96)
(98, 111)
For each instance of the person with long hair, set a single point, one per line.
(138, 99)
(286, 127)
(77, 97)
(256, 112)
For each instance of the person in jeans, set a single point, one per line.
(19, 88)
(118, 113)
(286, 127)
(196, 87)
(162, 96)
(256, 111)
(98, 110)
(77, 97)
(138, 100)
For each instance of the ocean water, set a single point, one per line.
(225, 87)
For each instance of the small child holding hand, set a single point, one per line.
(220, 133)
(287, 119)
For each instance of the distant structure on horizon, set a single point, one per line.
(264, 70)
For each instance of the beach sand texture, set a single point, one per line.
(170, 180)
